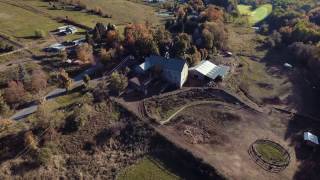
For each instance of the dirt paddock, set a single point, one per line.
(221, 135)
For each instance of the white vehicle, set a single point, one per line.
(67, 30)
(287, 65)
(78, 41)
(56, 48)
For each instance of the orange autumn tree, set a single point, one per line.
(212, 14)
(112, 36)
(85, 53)
(139, 40)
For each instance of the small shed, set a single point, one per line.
(207, 69)
(310, 138)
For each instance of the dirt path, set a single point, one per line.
(190, 105)
(7, 38)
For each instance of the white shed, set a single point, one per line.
(209, 70)
(310, 138)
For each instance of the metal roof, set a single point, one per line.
(172, 64)
(307, 136)
(211, 70)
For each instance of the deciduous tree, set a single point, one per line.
(38, 80)
(85, 53)
(64, 80)
(14, 93)
(212, 14)
(118, 82)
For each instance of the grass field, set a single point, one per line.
(147, 169)
(122, 12)
(257, 15)
(18, 22)
(270, 153)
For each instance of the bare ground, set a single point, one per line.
(222, 135)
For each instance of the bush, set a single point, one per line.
(30, 141)
(4, 108)
(39, 34)
(118, 82)
(44, 156)
(5, 124)
(80, 116)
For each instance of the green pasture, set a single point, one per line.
(147, 169)
(18, 22)
(257, 15)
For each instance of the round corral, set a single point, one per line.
(269, 155)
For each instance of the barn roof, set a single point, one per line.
(173, 64)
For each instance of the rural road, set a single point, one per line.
(53, 94)
(60, 91)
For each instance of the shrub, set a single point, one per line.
(118, 82)
(5, 124)
(81, 115)
(4, 108)
(44, 156)
(106, 56)
(30, 140)
(39, 34)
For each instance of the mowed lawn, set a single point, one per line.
(18, 22)
(147, 169)
(257, 15)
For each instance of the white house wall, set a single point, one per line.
(184, 75)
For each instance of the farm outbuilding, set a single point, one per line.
(310, 138)
(207, 69)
